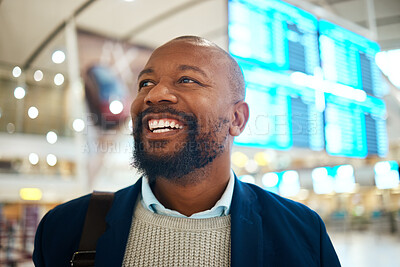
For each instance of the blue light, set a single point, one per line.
(290, 184)
(344, 180)
(322, 180)
(386, 174)
(271, 181)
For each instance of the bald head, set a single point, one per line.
(235, 75)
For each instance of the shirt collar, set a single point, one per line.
(221, 208)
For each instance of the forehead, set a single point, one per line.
(186, 53)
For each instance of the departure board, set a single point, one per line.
(268, 125)
(309, 83)
(273, 33)
(355, 129)
(282, 114)
(349, 58)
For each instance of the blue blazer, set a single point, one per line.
(266, 230)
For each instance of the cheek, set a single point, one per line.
(136, 106)
(209, 111)
(135, 109)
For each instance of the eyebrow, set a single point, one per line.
(193, 68)
(145, 71)
(181, 67)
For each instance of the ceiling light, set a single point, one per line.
(33, 112)
(38, 75)
(58, 56)
(19, 92)
(51, 159)
(16, 72)
(78, 125)
(58, 79)
(33, 158)
(116, 107)
(51, 137)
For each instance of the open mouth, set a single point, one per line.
(164, 125)
(159, 124)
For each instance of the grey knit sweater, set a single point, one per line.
(158, 240)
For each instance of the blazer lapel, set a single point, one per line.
(111, 245)
(246, 227)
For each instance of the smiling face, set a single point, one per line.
(184, 109)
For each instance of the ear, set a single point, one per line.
(240, 118)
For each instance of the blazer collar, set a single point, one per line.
(246, 227)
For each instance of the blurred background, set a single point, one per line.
(323, 84)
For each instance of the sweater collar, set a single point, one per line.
(221, 207)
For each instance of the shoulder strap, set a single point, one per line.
(94, 226)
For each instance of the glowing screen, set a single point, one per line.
(349, 58)
(309, 82)
(275, 34)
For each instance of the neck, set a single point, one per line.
(204, 189)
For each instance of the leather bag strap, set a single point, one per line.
(94, 226)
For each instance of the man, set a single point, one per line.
(189, 209)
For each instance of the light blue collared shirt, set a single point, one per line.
(221, 208)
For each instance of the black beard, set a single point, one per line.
(194, 153)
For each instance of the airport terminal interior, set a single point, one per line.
(322, 82)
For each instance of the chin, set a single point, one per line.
(163, 148)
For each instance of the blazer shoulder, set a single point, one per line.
(272, 204)
(59, 232)
(74, 209)
(69, 208)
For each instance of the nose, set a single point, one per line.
(160, 94)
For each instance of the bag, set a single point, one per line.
(94, 226)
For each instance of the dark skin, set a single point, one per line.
(191, 77)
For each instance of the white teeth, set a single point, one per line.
(157, 125)
(162, 130)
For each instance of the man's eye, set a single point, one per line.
(145, 84)
(187, 80)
